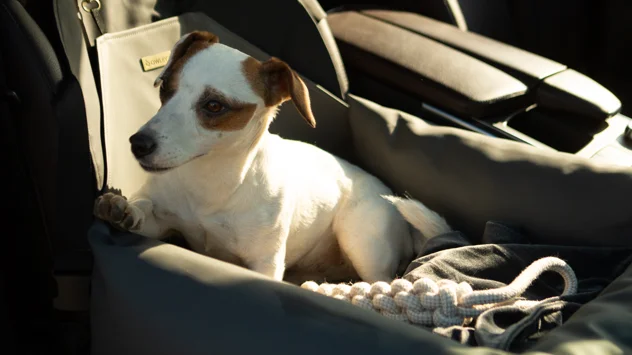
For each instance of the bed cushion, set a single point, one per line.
(150, 297)
(469, 178)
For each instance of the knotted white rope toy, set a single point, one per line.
(443, 303)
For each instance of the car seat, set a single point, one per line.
(154, 297)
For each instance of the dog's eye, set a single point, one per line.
(214, 106)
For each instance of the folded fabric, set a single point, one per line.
(504, 254)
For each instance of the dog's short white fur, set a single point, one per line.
(243, 195)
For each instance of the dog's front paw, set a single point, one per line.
(116, 210)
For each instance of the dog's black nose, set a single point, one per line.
(142, 145)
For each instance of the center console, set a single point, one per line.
(451, 77)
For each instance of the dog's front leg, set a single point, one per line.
(136, 215)
(270, 258)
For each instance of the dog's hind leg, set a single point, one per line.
(374, 237)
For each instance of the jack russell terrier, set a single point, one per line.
(240, 194)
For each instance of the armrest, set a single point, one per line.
(525, 66)
(425, 68)
(573, 92)
(556, 87)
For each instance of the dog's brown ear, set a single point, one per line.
(187, 45)
(282, 84)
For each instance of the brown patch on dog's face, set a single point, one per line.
(187, 47)
(219, 113)
(276, 83)
(252, 71)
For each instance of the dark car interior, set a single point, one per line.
(524, 92)
(513, 110)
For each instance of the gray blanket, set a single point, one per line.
(502, 255)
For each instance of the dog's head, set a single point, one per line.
(214, 97)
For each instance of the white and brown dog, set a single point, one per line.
(243, 195)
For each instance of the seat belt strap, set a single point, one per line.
(89, 12)
(454, 8)
(77, 30)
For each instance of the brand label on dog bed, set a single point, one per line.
(155, 61)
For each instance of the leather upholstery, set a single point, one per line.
(528, 67)
(551, 85)
(418, 65)
(574, 93)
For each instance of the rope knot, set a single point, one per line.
(443, 303)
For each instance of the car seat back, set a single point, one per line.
(50, 128)
(49, 179)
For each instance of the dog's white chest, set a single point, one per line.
(224, 235)
(213, 235)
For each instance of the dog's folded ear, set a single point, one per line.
(282, 84)
(187, 45)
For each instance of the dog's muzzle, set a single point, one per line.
(142, 145)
